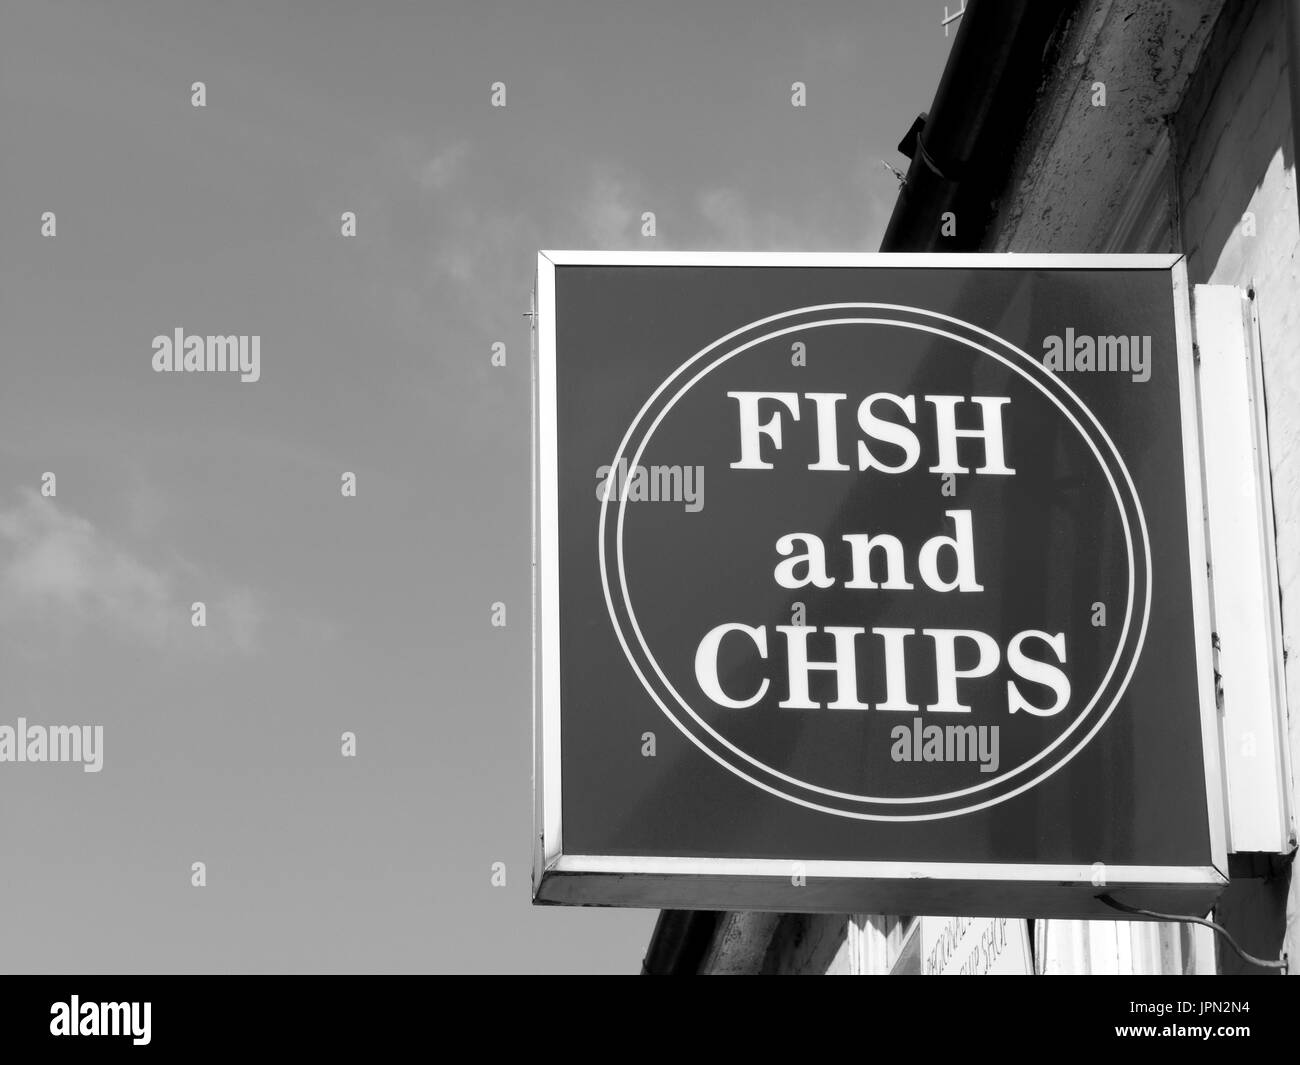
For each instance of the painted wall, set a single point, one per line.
(1202, 136)
(1195, 133)
(1233, 149)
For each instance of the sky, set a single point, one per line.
(325, 614)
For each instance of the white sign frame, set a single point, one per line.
(968, 889)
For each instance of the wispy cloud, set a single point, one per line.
(58, 571)
(439, 170)
(610, 211)
(441, 238)
(732, 221)
(849, 214)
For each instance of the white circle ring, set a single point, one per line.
(782, 785)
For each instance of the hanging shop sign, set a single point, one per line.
(867, 583)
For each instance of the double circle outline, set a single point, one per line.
(1127, 653)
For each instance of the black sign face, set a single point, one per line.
(869, 569)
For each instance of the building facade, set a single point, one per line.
(1109, 126)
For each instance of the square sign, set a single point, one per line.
(871, 583)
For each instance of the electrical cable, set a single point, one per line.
(1263, 963)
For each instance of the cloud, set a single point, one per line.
(58, 570)
(147, 507)
(241, 615)
(610, 212)
(848, 214)
(437, 172)
(443, 237)
(732, 223)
